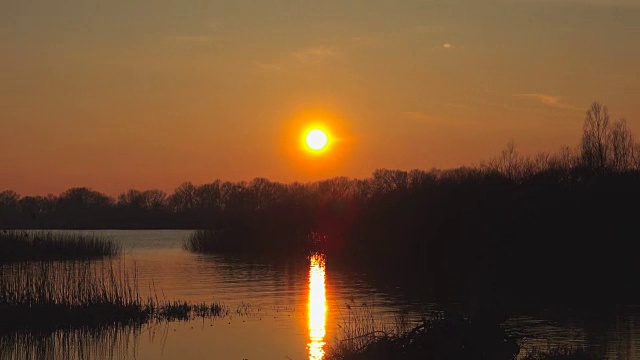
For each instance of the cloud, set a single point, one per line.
(543, 98)
(548, 100)
(447, 46)
(268, 67)
(311, 55)
(314, 54)
(215, 26)
(363, 41)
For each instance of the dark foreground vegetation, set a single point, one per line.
(48, 296)
(447, 338)
(18, 246)
(447, 335)
(110, 342)
(550, 227)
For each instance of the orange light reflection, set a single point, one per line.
(317, 307)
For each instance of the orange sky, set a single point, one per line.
(149, 94)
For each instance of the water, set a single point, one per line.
(292, 309)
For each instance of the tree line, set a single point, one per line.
(553, 221)
(606, 148)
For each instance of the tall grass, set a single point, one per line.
(204, 241)
(360, 327)
(442, 336)
(111, 342)
(45, 296)
(48, 245)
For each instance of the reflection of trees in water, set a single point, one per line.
(109, 342)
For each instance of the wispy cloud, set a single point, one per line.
(215, 26)
(306, 56)
(268, 67)
(548, 100)
(314, 54)
(363, 41)
(446, 46)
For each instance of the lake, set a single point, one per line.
(292, 309)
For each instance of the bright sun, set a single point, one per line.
(316, 139)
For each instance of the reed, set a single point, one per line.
(18, 246)
(109, 342)
(442, 336)
(45, 296)
(359, 328)
(204, 241)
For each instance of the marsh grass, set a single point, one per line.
(204, 241)
(182, 310)
(16, 246)
(45, 296)
(109, 342)
(441, 336)
(361, 327)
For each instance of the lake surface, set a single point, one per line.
(292, 309)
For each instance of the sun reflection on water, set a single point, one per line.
(317, 307)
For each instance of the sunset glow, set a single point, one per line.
(440, 84)
(232, 149)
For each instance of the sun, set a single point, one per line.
(316, 139)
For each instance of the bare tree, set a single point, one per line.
(595, 146)
(622, 146)
(183, 198)
(9, 199)
(507, 163)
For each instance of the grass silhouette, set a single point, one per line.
(47, 245)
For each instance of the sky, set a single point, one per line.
(143, 94)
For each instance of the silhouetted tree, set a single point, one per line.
(622, 154)
(132, 199)
(8, 200)
(595, 138)
(183, 198)
(208, 196)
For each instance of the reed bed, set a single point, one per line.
(45, 296)
(110, 342)
(361, 327)
(16, 246)
(444, 335)
(204, 241)
(441, 336)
